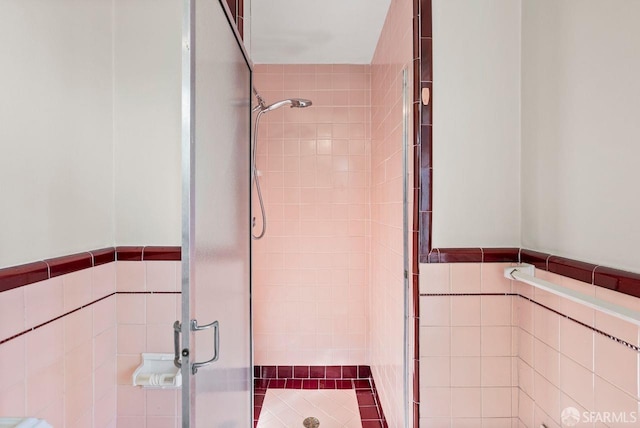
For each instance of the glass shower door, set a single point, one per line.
(213, 340)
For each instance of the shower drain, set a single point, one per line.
(311, 422)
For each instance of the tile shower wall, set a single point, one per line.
(311, 269)
(392, 55)
(64, 371)
(493, 350)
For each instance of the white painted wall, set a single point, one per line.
(580, 129)
(147, 123)
(56, 160)
(476, 136)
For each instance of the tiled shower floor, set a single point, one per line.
(287, 408)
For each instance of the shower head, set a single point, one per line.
(293, 102)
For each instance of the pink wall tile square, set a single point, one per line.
(12, 363)
(465, 371)
(130, 276)
(546, 361)
(78, 365)
(496, 402)
(577, 382)
(131, 308)
(493, 280)
(105, 381)
(126, 365)
(436, 341)
(161, 309)
(78, 328)
(496, 310)
(105, 410)
(12, 316)
(131, 421)
(131, 401)
(435, 402)
(465, 341)
(12, 400)
(104, 315)
(466, 402)
(161, 275)
(132, 339)
(44, 385)
(496, 341)
(105, 347)
(103, 281)
(617, 364)
(435, 372)
(77, 289)
(78, 400)
(435, 311)
(465, 311)
(546, 325)
(161, 402)
(435, 278)
(576, 342)
(465, 277)
(44, 301)
(159, 338)
(44, 346)
(496, 371)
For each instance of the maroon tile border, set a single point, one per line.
(351, 377)
(18, 276)
(614, 279)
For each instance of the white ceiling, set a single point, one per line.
(315, 31)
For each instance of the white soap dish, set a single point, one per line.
(157, 371)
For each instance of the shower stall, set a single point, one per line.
(213, 339)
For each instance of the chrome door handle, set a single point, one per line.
(177, 328)
(216, 343)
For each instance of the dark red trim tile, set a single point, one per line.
(349, 372)
(162, 253)
(460, 255)
(495, 255)
(258, 399)
(572, 268)
(284, 372)
(68, 264)
(317, 372)
(426, 149)
(425, 18)
(277, 383)
(17, 276)
(365, 398)
(301, 372)
(361, 384)
(103, 256)
(257, 372)
(332, 372)
(618, 280)
(364, 372)
(425, 60)
(294, 384)
(433, 257)
(539, 260)
(372, 424)
(129, 254)
(369, 412)
(416, 37)
(425, 232)
(269, 372)
(261, 384)
(344, 384)
(310, 384)
(327, 384)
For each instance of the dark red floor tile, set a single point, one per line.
(369, 412)
(316, 372)
(301, 372)
(269, 372)
(372, 424)
(310, 384)
(294, 384)
(277, 383)
(285, 372)
(333, 372)
(365, 398)
(327, 384)
(361, 384)
(349, 372)
(364, 372)
(344, 384)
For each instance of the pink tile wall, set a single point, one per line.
(310, 271)
(393, 54)
(64, 371)
(554, 362)
(76, 371)
(145, 324)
